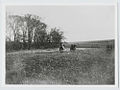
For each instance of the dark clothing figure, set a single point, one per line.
(73, 47)
(61, 47)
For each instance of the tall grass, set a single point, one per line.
(90, 66)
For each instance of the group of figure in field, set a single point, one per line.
(62, 47)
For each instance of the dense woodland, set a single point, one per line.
(29, 32)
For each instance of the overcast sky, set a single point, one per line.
(79, 23)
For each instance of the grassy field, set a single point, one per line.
(89, 66)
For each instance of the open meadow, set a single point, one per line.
(93, 66)
(60, 45)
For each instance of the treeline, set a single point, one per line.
(28, 32)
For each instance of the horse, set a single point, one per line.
(73, 47)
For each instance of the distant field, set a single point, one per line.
(88, 66)
(92, 44)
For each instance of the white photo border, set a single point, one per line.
(70, 4)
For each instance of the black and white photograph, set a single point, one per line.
(60, 45)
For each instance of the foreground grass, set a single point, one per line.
(90, 66)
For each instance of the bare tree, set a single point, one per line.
(14, 29)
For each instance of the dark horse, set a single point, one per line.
(73, 47)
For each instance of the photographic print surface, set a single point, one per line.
(60, 45)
